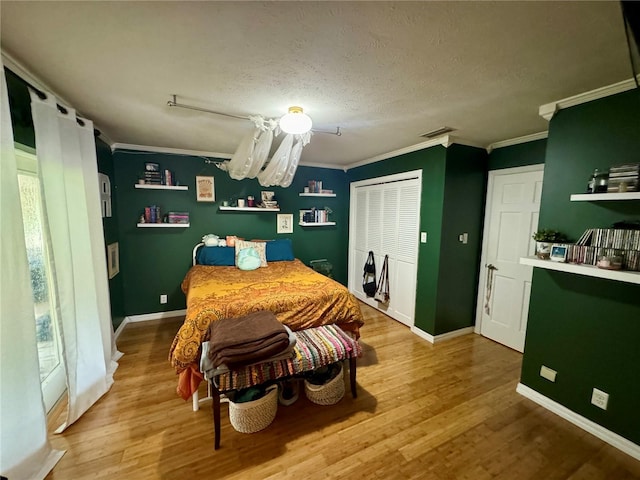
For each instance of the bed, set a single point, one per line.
(299, 297)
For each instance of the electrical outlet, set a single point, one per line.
(423, 237)
(546, 372)
(600, 399)
(163, 298)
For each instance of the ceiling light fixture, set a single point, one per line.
(296, 121)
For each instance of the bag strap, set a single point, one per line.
(370, 262)
(383, 286)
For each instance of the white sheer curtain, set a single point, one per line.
(25, 452)
(73, 223)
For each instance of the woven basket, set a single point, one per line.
(328, 394)
(251, 417)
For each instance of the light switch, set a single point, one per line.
(423, 237)
(463, 238)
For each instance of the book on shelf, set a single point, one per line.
(627, 167)
(177, 217)
(624, 178)
(314, 216)
(152, 214)
(589, 255)
(597, 242)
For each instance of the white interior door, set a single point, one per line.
(513, 203)
(385, 218)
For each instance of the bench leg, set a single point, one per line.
(215, 405)
(352, 376)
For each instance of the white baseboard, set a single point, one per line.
(590, 426)
(120, 328)
(146, 317)
(443, 336)
(156, 316)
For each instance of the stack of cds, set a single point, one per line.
(624, 178)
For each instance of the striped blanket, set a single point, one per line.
(315, 348)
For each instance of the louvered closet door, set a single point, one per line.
(384, 218)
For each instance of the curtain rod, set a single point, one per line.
(174, 103)
(43, 96)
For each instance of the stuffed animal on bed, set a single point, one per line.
(211, 240)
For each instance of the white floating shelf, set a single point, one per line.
(316, 224)
(596, 197)
(587, 270)
(164, 225)
(148, 186)
(317, 194)
(249, 209)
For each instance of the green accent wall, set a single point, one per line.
(20, 107)
(463, 211)
(111, 233)
(155, 261)
(587, 329)
(529, 153)
(453, 186)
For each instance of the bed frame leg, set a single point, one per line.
(195, 398)
(352, 376)
(215, 405)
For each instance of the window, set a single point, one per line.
(52, 376)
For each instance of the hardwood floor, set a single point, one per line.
(442, 412)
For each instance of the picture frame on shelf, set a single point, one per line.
(113, 259)
(559, 252)
(205, 189)
(267, 196)
(285, 223)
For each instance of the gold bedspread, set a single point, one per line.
(298, 296)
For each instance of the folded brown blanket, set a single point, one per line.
(229, 357)
(250, 338)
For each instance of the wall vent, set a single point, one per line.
(437, 132)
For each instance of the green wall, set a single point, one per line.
(111, 233)
(529, 153)
(154, 261)
(20, 107)
(463, 211)
(587, 329)
(453, 183)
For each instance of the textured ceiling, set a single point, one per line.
(385, 72)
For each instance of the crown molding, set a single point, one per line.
(463, 141)
(444, 141)
(322, 165)
(515, 141)
(172, 151)
(548, 110)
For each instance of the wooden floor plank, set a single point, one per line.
(443, 412)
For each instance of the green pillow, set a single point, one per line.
(248, 259)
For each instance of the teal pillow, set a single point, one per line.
(221, 256)
(248, 259)
(278, 250)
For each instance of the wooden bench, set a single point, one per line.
(315, 348)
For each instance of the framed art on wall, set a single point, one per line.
(113, 259)
(285, 223)
(205, 189)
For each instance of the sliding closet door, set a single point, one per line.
(385, 218)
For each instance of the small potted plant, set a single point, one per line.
(544, 239)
